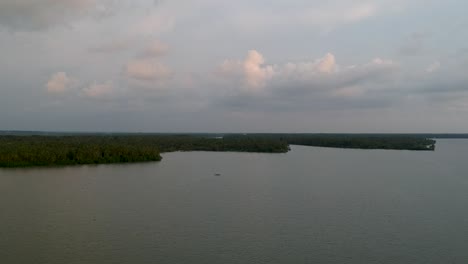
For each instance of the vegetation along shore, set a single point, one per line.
(72, 149)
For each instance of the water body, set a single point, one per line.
(312, 205)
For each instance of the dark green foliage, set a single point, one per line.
(22, 151)
(367, 143)
(17, 151)
(357, 141)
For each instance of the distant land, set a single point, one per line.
(208, 134)
(72, 149)
(39, 148)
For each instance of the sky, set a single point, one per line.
(296, 66)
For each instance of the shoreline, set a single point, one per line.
(62, 151)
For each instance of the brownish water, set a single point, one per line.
(312, 205)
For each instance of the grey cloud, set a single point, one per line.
(155, 48)
(323, 73)
(59, 83)
(267, 91)
(31, 15)
(414, 44)
(99, 90)
(319, 85)
(433, 67)
(301, 101)
(446, 86)
(111, 47)
(147, 70)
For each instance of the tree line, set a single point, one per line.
(23, 151)
(42, 150)
(356, 141)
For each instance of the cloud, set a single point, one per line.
(40, 14)
(320, 83)
(158, 21)
(327, 64)
(146, 70)
(251, 83)
(433, 67)
(99, 90)
(59, 83)
(360, 12)
(111, 47)
(325, 79)
(251, 70)
(256, 74)
(349, 91)
(308, 69)
(323, 16)
(413, 45)
(155, 49)
(230, 68)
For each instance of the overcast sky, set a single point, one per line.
(234, 66)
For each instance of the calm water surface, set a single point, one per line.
(312, 205)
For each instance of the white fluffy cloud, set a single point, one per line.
(308, 69)
(256, 74)
(59, 83)
(252, 69)
(319, 74)
(327, 64)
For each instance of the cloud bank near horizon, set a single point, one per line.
(301, 66)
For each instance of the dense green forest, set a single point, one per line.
(356, 141)
(17, 151)
(51, 150)
(23, 151)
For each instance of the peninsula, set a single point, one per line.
(60, 149)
